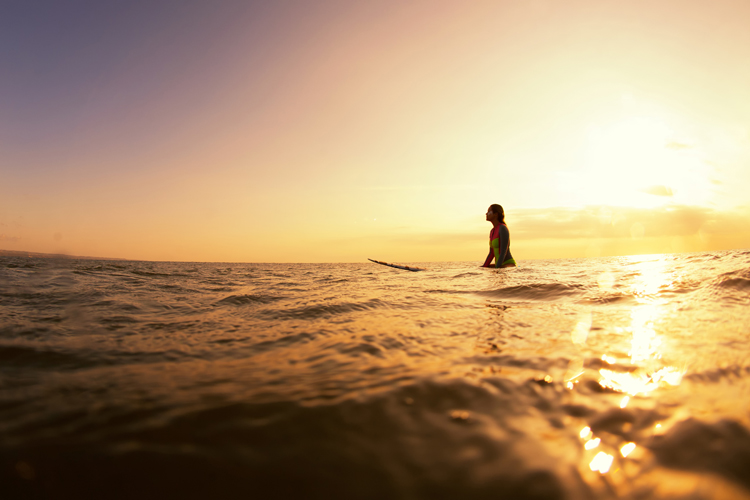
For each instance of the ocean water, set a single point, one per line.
(624, 377)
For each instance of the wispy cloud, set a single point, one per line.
(616, 222)
(658, 190)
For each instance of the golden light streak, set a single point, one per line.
(585, 432)
(581, 331)
(575, 369)
(624, 401)
(606, 280)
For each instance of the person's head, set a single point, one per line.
(496, 212)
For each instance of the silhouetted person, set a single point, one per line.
(499, 239)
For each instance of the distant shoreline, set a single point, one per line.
(21, 253)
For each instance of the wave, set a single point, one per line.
(17, 356)
(285, 340)
(245, 299)
(722, 447)
(735, 280)
(449, 292)
(429, 438)
(466, 274)
(541, 292)
(733, 287)
(611, 298)
(330, 279)
(139, 272)
(729, 373)
(735, 283)
(324, 310)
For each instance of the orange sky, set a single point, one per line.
(344, 130)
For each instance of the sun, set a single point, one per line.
(641, 161)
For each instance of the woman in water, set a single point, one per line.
(499, 239)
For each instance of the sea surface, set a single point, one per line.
(622, 377)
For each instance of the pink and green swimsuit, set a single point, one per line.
(499, 248)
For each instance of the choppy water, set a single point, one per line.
(184, 380)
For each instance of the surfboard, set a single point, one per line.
(397, 266)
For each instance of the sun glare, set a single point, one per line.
(641, 161)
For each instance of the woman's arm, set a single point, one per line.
(501, 250)
(488, 260)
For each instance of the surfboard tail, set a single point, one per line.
(397, 266)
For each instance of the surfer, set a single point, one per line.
(499, 239)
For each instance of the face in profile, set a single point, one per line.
(491, 215)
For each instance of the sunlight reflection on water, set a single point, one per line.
(602, 462)
(645, 372)
(646, 343)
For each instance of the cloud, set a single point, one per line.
(9, 238)
(658, 190)
(617, 222)
(677, 145)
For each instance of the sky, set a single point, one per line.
(333, 131)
